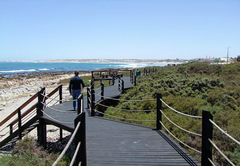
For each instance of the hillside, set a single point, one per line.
(190, 88)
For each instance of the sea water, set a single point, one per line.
(28, 67)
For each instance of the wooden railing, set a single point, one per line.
(80, 104)
(88, 97)
(149, 71)
(80, 156)
(24, 116)
(79, 136)
(121, 85)
(207, 144)
(133, 77)
(91, 92)
(206, 135)
(19, 108)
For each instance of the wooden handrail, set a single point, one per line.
(24, 114)
(54, 91)
(25, 104)
(21, 107)
(35, 105)
(29, 101)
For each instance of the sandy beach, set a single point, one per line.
(16, 90)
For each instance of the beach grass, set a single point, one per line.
(26, 152)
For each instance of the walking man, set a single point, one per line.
(75, 88)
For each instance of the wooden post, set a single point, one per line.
(44, 135)
(207, 131)
(131, 76)
(19, 124)
(81, 137)
(134, 75)
(113, 79)
(88, 96)
(135, 80)
(102, 91)
(82, 104)
(122, 86)
(60, 94)
(42, 126)
(92, 102)
(83, 134)
(92, 97)
(79, 104)
(92, 84)
(159, 114)
(119, 84)
(92, 75)
(40, 100)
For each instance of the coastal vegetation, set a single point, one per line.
(189, 88)
(26, 152)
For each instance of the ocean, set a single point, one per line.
(12, 68)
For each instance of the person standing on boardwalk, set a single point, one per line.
(137, 73)
(75, 88)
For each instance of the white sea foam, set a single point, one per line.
(44, 69)
(18, 71)
(133, 65)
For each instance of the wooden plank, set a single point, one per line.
(62, 114)
(116, 143)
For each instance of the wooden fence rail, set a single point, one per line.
(25, 119)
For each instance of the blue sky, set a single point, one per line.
(118, 29)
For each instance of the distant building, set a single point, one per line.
(208, 59)
(225, 60)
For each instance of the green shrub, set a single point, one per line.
(27, 153)
(190, 88)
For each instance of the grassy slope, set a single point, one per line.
(190, 88)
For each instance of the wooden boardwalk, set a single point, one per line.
(65, 113)
(116, 143)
